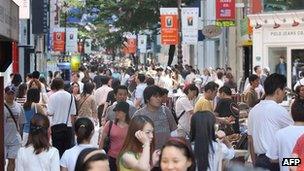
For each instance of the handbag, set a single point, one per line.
(62, 127)
(106, 143)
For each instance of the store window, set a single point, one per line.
(297, 64)
(283, 5)
(277, 60)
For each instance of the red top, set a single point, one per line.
(299, 150)
(117, 138)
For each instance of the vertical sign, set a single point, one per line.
(225, 9)
(24, 9)
(142, 43)
(190, 25)
(169, 26)
(71, 40)
(132, 45)
(58, 41)
(40, 9)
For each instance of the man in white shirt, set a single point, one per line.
(286, 138)
(62, 109)
(265, 119)
(139, 91)
(101, 95)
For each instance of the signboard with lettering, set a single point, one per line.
(9, 19)
(225, 10)
(282, 36)
(40, 9)
(169, 26)
(225, 23)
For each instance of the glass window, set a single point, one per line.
(283, 5)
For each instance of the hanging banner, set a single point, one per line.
(58, 41)
(71, 39)
(88, 46)
(75, 62)
(169, 26)
(142, 43)
(190, 25)
(225, 10)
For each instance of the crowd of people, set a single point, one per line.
(153, 118)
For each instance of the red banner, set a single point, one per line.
(130, 46)
(169, 26)
(225, 9)
(59, 41)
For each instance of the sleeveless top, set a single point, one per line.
(121, 164)
(28, 116)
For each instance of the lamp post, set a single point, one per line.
(179, 46)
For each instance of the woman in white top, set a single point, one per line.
(84, 129)
(208, 151)
(38, 154)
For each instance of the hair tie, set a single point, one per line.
(82, 126)
(35, 129)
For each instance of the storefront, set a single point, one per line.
(278, 43)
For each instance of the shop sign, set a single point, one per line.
(225, 23)
(225, 10)
(59, 41)
(9, 19)
(284, 35)
(169, 26)
(142, 43)
(71, 39)
(190, 25)
(211, 31)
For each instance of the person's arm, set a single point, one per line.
(143, 163)
(104, 134)
(40, 109)
(94, 108)
(251, 149)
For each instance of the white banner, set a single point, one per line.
(190, 25)
(24, 8)
(142, 43)
(71, 40)
(88, 46)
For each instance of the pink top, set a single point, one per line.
(117, 138)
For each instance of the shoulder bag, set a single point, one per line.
(106, 143)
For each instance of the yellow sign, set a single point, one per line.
(75, 63)
(225, 23)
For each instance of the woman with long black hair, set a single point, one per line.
(209, 150)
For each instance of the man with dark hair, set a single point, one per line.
(62, 108)
(265, 119)
(36, 75)
(206, 102)
(141, 85)
(121, 94)
(101, 95)
(286, 138)
(251, 96)
(260, 89)
(75, 79)
(160, 115)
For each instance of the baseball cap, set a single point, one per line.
(10, 89)
(122, 106)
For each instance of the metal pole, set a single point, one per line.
(179, 46)
(2, 162)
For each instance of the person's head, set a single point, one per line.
(142, 123)
(210, 90)
(84, 129)
(206, 72)
(29, 77)
(150, 81)
(159, 71)
(121, 93)
(225, 92)
(75, 88)
(57, 84)
(191, 91)
(36, 74)
(39, 135)
(282, 59)
(274, 86)
(10, 92)
(300, 91)
(50, 74)
(258, 70)
(34, 83)
(21, 90)
(122, 112)
(203, 134)
(140, 78)
(75, 77)
(88, 88)
(108, 73)
(43, 80)
(33, 96)
(164, 95)
(92, 159)
(104, 80)
(297, 109)
(254, 80)
(152, 96)
(177, 155)
(229, 77)
(17, 80)
(115, 83)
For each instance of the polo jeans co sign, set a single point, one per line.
(282, 36)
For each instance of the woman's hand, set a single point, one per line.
(155, 157)
(142, 137)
